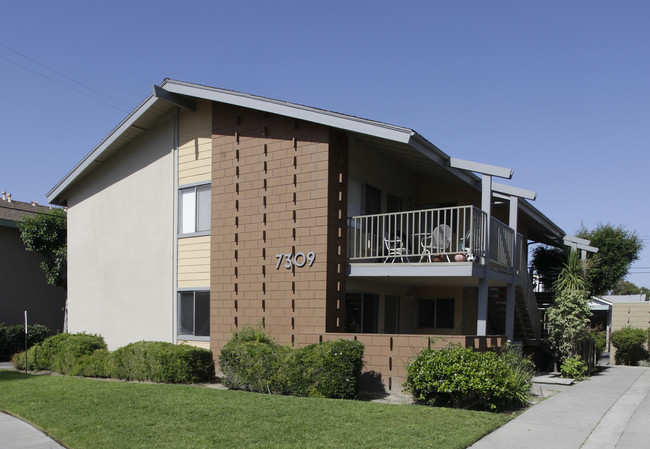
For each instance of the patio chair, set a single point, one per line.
(394, 249)
(437, 243)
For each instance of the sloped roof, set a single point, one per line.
(406, 142)
(12, 212)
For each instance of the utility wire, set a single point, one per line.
(64, 84)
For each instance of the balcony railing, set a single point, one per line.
(432, 235)
(502, 248)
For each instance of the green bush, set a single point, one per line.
(252, 361)
(330, 369)
(254, 366)
(12, 337)
(600, 341)
(60, 352)
(463, 378)
(574, 368)
(98, 364)
(158, 361)
(629, 342)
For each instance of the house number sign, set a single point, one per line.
(299, 260)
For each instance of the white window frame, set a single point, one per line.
(190, 337)
(188, 216)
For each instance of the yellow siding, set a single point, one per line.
(194, 262)
(198, 344)
(195, 144)
(631, 314)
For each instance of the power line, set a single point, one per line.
(127, 109)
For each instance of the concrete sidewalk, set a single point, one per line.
(17, 434)
(610, 410)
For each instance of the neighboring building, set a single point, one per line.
(22, 280)
(614, 312)
(206, 210)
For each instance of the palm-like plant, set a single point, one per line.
(573, 274)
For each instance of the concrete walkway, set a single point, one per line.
(17, 434)
(611, 410)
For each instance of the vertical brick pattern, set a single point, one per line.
(270, 185)
(279, 186)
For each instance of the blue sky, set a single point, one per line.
(558, 91)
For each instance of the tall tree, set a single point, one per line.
(617, 249)
(46, 234)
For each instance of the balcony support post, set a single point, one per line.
(510, 289)
(486, 205)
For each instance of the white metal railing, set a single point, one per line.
(502, 244)
(418, 236)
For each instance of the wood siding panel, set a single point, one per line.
(631, 314)
(194, 262)
(195, 144)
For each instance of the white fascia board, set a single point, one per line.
(577, 240)
(320, 116)
(514, 191)
(99, 149)
(479, 167)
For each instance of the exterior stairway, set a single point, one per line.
(528, 316)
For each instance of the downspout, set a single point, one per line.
(175, 132)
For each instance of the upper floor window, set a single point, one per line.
(194, 209)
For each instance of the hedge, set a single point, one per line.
(463, 378)
(252, 361)
(629, 342)
(12, 337)
(86, 355)
(60, 352)
(159, 361)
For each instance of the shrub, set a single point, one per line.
(98, 364)
(600, 341)
(574, 368)
(60, 352)
(330, 369)
(628, 342)
(462, 378)
(254, 366)
(158, 361)
(12, 337)
(252, 361)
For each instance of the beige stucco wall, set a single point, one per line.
(120, 243)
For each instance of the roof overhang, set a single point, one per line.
(172, 94)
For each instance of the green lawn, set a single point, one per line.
(90, 413)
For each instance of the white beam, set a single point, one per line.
(514, 191)
(479, 167)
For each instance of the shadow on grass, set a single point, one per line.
(13, 375)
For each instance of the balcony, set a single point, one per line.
(447, 238)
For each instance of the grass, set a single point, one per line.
(90, 413)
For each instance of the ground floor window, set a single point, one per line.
(436, 313)
(194, 313)
(361, 312)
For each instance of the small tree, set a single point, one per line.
(572, 276)
(46, 234)
(617, 249)
(546, 261)
(568, 322)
